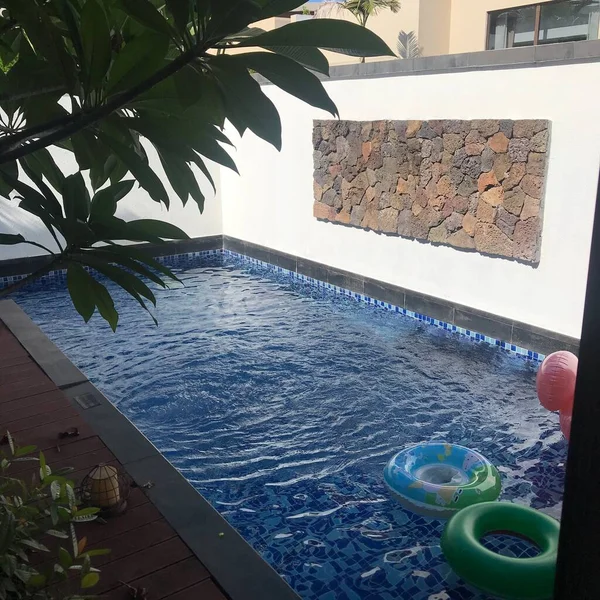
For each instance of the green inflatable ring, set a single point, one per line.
(503, 576)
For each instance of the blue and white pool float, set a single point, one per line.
(438, 479)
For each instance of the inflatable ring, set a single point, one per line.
(438, 480)
(503, 576)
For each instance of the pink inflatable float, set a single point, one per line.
(556, 386)
(565, 424)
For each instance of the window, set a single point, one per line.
(547, 23)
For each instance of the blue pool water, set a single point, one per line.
(281, 403)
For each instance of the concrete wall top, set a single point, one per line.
(512, 58)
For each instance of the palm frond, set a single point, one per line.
(408, 45)
(361, 9)
(329, 10)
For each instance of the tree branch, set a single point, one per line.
(32, 94)
(14, 147)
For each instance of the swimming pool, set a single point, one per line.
(281, 403)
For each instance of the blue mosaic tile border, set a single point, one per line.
(172, 259)
(190, 257)
(47, 278)
(523, 353)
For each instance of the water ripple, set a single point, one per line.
(281, 404)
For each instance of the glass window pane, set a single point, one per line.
(569, 21)
(512, 28)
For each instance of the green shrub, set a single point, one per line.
(31, 514)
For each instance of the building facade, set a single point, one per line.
(457, 26)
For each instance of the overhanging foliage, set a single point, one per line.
(96, 78)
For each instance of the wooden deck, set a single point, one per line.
(146, 551)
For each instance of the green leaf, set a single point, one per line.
(87, 293)
(182, 178)
(41, 185)
(48, 221)
(180, 9)
(44, 36)
(131, 284)
(189, 84)
(247, 106)
(64, 558)
(131, 263)
(11, 442)
(97, 552)
(57, 534)
(146, 177)
(142, 230)
(78, 284)
(105, 304)
(7, 531)
(115, 169)
(159, 229)
(104, 202)
(76, 198)
(36, 201)
(53, 509)
(139, 59)
(200, 163)
(87, 151)
(172, 135)
(36, 580)
(34, 544)
(95, 39)
(334, 35)
(78, 233)
(312, 58)
(290, 77)
(232, 16)
(24, 450)
(139, 255)
(43, 466)
(12, 171)
(43, 163)
(84, 512)
(274, 8)
(71, 17)
(111, 228)
(10, 239)
(144, 12)
(90, 580)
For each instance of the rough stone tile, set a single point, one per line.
(417, 179)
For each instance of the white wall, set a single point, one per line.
(271, 203)
(136, 205)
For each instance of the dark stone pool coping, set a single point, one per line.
(520, 334)
(234, 564)
(510, 331)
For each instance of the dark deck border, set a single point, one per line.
(235, 565)
(514, 332)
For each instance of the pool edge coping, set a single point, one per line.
(239, 569)
(432, 308)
